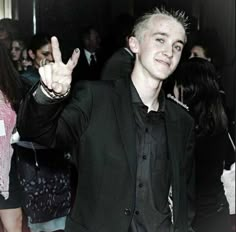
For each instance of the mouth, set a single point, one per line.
(163, 62)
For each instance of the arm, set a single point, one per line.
(43, 118)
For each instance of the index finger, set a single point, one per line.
(56, 49)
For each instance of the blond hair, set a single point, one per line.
(143, 22)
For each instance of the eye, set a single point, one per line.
(46, 53)
(160, 40)
(178, 48)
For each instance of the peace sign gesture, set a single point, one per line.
(56, 77)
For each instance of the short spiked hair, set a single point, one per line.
(143, 21)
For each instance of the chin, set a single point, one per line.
(162, 76)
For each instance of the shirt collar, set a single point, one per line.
(88, 55)
(137, 100)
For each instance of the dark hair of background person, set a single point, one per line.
(198, 78)
(10, 83)
(38, 40)
(10, 26)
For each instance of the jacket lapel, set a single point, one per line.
(124, 115)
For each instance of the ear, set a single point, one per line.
(134, 44)
(31, 54)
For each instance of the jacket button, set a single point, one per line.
(127, 212)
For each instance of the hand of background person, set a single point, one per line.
(56, 76)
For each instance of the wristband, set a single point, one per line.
(52, 93)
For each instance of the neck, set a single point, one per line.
(148, 90)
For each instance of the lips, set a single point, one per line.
(167, 63)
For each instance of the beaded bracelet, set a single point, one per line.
(52, 93)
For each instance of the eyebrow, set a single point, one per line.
(166, 35)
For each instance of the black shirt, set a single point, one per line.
(152, 213)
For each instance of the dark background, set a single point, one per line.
(65, 18)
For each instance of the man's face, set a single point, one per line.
(160, 49)
(92, 43)
(45, 52)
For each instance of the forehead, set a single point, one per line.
(164, 24)
(15, 43)
(46, 47)
(93, 33)
(198, 49)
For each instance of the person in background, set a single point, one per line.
(39, 50)
(204, 47)
(46, 181)
(204, 44)
(130, 142)
(8, 31)
(199, 50)
(199, 90)
(91, 58)
(11, 89)
(26, 61)
(17, 48)
(120, 64)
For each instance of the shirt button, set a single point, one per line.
(146, 130)
(140, 185)
(137, 212)
(127, 212)
(144, 157)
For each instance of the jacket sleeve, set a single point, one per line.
(56, 124)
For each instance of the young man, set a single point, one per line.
(129, 143)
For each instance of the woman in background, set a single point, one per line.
(8, 31)
(39, 49)
(10, 94)
(198, 89)
(45, 179)
(17, 48)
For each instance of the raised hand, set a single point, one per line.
(57, 76)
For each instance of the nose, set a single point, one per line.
(168, 51)
(50, 58)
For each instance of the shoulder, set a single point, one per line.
(176, 101)
(178, 111)
(31, 75)
(120, 54)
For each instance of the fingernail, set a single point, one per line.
(76, 50)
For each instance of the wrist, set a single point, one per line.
(52, 94)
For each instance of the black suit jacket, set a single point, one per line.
(97, 122)
(83, 71)
(119, 65)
